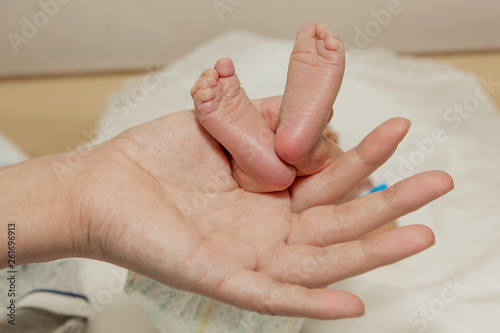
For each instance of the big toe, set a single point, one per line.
(225, 67)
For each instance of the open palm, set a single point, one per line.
(160, 200)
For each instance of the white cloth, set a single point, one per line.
(9, 153)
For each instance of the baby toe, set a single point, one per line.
(203, 96)
(204, 82)
(225, 67)
(323, 31)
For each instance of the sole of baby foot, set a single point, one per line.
(314, 77)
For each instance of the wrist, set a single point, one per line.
(43, 209)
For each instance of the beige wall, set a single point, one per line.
(69, 36)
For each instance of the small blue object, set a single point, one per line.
(380, 187)
(374, 189)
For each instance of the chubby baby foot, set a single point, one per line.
(314, 77)
(226, 112)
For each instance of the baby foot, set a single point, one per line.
(226, 112)
(314, 76)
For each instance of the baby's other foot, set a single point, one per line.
(226, 112)
(314, 77)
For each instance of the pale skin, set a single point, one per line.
(160, 199)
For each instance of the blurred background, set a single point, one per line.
(60, 59)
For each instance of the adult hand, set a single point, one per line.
(160, 199)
